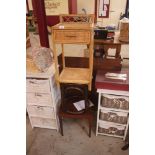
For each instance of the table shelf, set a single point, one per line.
(75, 75)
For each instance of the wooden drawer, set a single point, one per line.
(114, 101)
(113, 116)
(41, 111)
(43, 122)
(39, 99)
(111, 129)
(37, 85)
(70, 36)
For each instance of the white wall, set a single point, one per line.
(116, 7)
(30, 4)
(89, 5)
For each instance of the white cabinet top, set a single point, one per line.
(32, 71)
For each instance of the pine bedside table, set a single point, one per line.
(74, 29)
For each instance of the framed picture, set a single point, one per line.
(56, 7)
(103, 8)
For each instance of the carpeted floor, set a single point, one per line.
(74, 142)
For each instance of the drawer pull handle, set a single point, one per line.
(112, 116)
(70, 36)
(39, 108)
(38, 95)
(32, 82)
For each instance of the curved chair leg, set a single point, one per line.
(90, 124)
(61, 126)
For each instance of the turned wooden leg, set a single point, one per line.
(61, 126)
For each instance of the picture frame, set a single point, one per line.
(56, 7)
(103, 8)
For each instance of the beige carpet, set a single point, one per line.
(74, 142)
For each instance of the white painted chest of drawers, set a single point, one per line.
(113, 113)
(42, 99)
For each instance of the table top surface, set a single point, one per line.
(33, 71)
(110, 41)
(75, 75)
(73, 26)
(103, 82)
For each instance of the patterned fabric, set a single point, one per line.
(34, 41)
(117, 103)
(113, 117)
(42, 58)
(112, 131)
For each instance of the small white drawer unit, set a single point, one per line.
(42, 99)
(113, 113)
